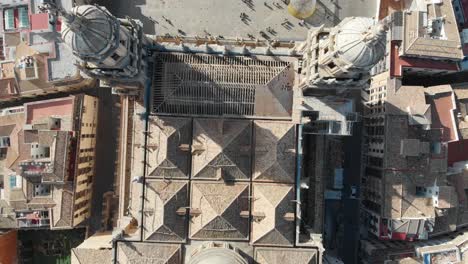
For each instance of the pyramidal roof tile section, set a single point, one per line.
(134, 252)
(220, 205)
(286, 255)
(166, 156)
(274, 201)
(221, 149)
(275, 147)
(163, 199)
(91, 256)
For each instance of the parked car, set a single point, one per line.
(354, 192)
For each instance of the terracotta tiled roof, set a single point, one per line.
(221, 205)
(62, 213)
(166, 157)
(62, 142)
(17, 198)
(284, 255)
(163, 199)
(462, 93)
(273, 201)
(23, 153)
(417, 43)
(31, 136)
(128, 252)
(275, 144)
(8, 87)
(447, 197)
(92, 256)
(5, 131)
(222, 149)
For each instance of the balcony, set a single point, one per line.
(338, 128)
(34, 168)
(34, 219)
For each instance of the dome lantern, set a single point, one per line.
(90, 31)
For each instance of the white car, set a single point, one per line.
(354, 192)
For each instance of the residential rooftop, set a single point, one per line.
(411, 131)
(35, 61)
(38, 158)
(440, 39)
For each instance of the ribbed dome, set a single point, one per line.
(214, 253)
(88, 30)
(360, 41)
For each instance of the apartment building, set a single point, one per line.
(47, 159)
(405, 185)
(407, 194)
(423, 40)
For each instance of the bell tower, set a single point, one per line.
(109, 49)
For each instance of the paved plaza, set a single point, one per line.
(235, 18)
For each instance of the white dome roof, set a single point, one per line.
(89, 30)
(360, 41)
(211, 254)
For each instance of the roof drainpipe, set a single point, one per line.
(298, 180)
(116, 236)
(145, 158)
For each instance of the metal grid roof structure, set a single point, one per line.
(210, 85)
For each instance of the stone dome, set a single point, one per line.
(89, 30)
(302, 9)
(360, 41)
(215, 253)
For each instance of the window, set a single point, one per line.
(9, 17)
(85, 159)
(12, 181)
(435, 147)
(84, 170)
(422, 191)
(23, 17)
(123, 42)
(41, 190)
(115, 56)
(4, 142)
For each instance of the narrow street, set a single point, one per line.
(105, 154)
(352, 177)
(351, 205)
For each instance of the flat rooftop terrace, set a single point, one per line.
(43, 109)
(222, 18)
